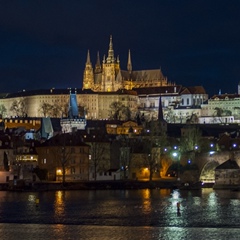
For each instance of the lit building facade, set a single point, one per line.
(223, 108)
(69, 149)
(179, 103)
(55, 103)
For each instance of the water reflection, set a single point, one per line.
(146, 193)
(59, 230)
(59, 204)
(165, 192)
(32, 198)
(146, 208)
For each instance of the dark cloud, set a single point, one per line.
(44, 43)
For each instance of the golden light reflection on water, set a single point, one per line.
(206, 191)
(146, 200)
(148, 195)
(165, 192)
(59, 204)
(60, 229)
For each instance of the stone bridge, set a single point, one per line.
(208, 162)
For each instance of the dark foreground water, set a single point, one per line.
(120, 214)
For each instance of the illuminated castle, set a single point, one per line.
(108, 76)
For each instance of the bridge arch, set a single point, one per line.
(207, 174)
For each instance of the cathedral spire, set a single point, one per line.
(110, 58)
(129, 64)
(98, 67)
(88, 62)
(88, 74)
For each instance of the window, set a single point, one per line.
(152, 104)
(72, 170)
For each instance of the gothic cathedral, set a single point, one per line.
(108, 77)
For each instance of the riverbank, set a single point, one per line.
(169, 183)
(94, 185)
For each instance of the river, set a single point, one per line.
(120, 214)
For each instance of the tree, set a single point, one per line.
(64, 159)
(155, 140)
(119, 111)
(218, 112)
(3, 110)
(55, 110)
(227, 113)
(169, 116)
(14, 107)
(190, 139)
(126, 113)
(64, 109)
(45, 109)
(19, 107)
(193, 118)
(236, 112)
(125, 160)
(61, 151)
(152, 155)
(166, 162)
(98, 149)
(190, 144)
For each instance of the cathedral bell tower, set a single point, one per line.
(110, 70)
(88, 77)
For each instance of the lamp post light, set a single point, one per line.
(177, 155)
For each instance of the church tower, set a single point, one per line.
(88, 77)
(98, 67)
(129, 64)
(110, 71)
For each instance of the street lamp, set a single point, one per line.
(177, 155)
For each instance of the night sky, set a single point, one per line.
(44, 43)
